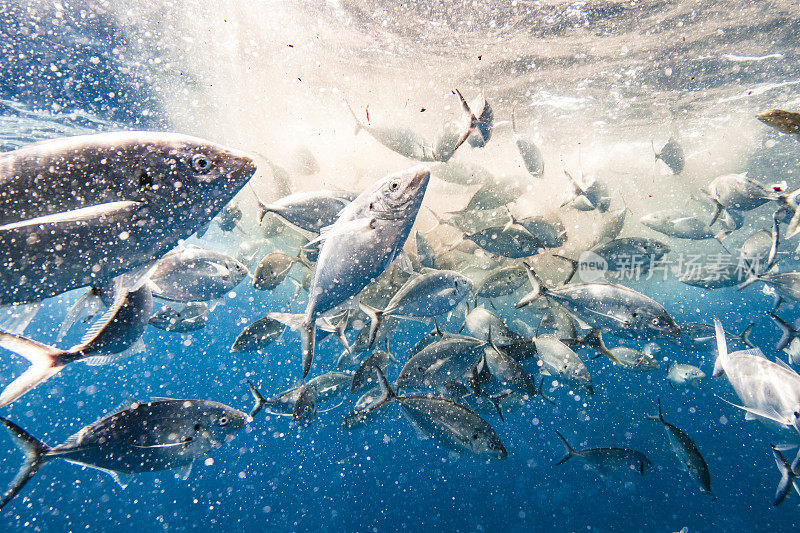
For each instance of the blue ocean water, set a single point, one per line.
(278, 475)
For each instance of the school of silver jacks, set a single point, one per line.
(111, 213)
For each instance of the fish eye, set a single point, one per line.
(201, 163)
(656, 322)
(393, 186)
(197, 427)
(143, 177)
(475, 436)
(223, 421)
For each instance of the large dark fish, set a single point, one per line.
(80, 210)
(163, 434)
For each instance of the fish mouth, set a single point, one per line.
(243, 165)
(423, 174)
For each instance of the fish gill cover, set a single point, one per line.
(603, 234)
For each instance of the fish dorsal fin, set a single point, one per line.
(752, 352)
(184, 471)
(104, 320)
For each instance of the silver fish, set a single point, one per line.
(453, 426)
(755, 249)
(163, 434)
(501, 282)
(480, 323)
(683, 375)
(512, 241)
(507, 370)
(493, 195)
(441, 362)
(609, 461)
(561, 362)
(401, 140)
(228, 218)
(310, 211)
(298, 402)
(679, 225)
(687, 452)
(611, 225)
(530, 153)
(116, 334)
(194, 274)
(789, 474)
(724, 270)
(608, 307)
(425, 252)
(551, 234)
(632, 254)
(739, 193)
(769, 391)
(368, 235)
(181, 319)
(461, 173)
(484, 124)
(672, 155)
(258, 335)
(272, 270)
(628, 358)
(82, 209)
(588, 195)
(365, 376)
(425, 296)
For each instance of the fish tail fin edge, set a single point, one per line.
(569, 450)
(35, 456)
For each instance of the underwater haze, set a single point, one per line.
(597, 116)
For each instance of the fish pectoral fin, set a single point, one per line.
(83, 214)
(350, 226)
(218, 270)
(405, 262)
(184, 471)
(446, 293)
(755, 414)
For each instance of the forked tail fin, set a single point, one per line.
(45, 361)
(569, 449)
(35, 456)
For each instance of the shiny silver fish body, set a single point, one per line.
(310, 211)
(84, 209)
(194, 274)
(191, 317)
